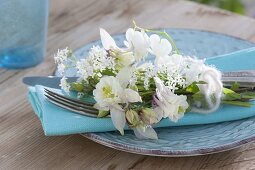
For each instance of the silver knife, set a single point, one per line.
(244, 78)
(50, 81)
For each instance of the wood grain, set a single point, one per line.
(74, 23)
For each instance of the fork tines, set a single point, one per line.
(75, 105)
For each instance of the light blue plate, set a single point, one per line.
(185, 140)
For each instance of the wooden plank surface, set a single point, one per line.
(73, 23)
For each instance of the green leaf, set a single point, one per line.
(135, 88)
(227, 91)
(230, 95)
(198, 97)
(77, 87)
(108, 72)
(193, 88)
(248, 95)
(103, 113)
(235, 86)
(238, 103)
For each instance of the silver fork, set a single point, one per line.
(72, 104)
(246, 79)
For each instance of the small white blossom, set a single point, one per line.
(159, 47)
(175, 81)
(138, 42)
(150, 72)
(61, 68)
(64, 85)
(96, 61)
(171, 105)
(124, 57)
(133, 79)
(62, 55)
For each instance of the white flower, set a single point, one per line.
(145, 132)
(62, 55)
(150, 72)
(84, 69)
(118, 118)
(109, 93)
(170, 104)
(107, 40)
(138, 42)
(159, 47)
(96, 61)
(173, 62)
(124, 77)
(64, 85)
(61, 68)
(124, 57)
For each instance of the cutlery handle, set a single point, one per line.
(243, 73)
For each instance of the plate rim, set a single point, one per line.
(170, 153)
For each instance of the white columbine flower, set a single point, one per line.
(109, 93)
(64, 85)
(138, 42)
(124, 57)
(173, 62)
(159, 47)
(171, 105)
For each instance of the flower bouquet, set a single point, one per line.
(141, 93)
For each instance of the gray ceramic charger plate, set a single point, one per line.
(185, 140)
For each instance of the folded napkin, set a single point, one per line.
(58, 121)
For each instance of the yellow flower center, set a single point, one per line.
(180, 109)
(107, 92)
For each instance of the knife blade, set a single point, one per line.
(50, 81)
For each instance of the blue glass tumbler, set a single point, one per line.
(23, 32)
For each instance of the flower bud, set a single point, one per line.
(132, 118)
(149, 116)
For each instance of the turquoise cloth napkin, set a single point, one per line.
(58, 121)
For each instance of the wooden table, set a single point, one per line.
(74, 23)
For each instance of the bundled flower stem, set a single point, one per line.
(138, 92)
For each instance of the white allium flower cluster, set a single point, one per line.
(62, 55)
(64, 84)
(133, 79)
(150, 72)
(61, 58)
(175, 81)
(96, 61)
(61, 68)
